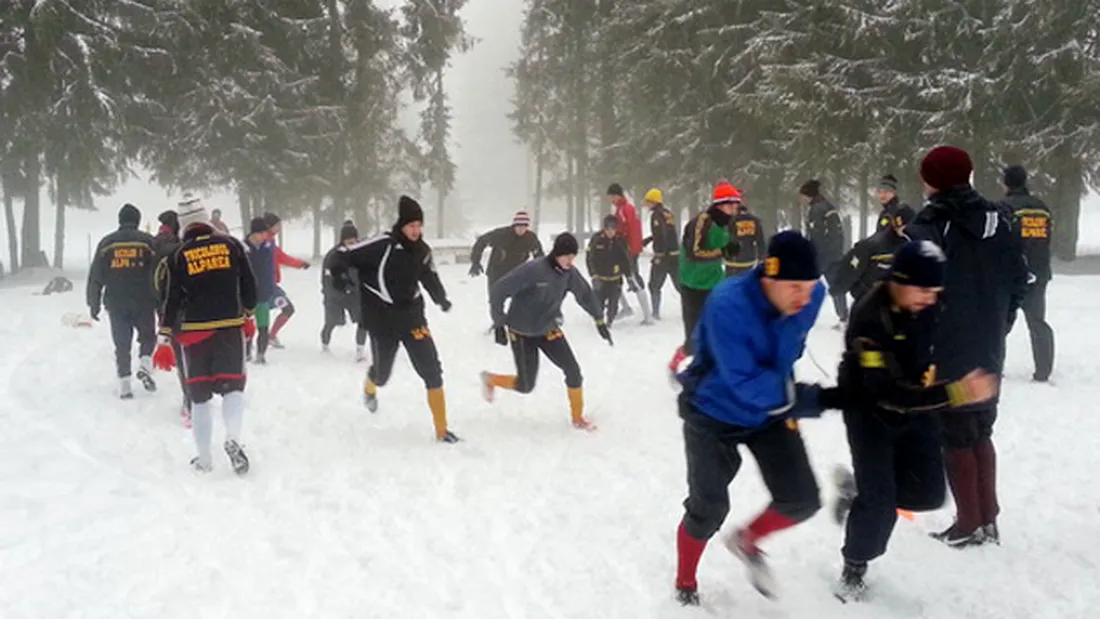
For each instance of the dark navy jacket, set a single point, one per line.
(743, 370)
(262, 259)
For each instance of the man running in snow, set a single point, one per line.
(392, 267)
(512, 246)
(705, 241)
(338, 302)
(261, 257)
(665, 237)
(740, 390)
(631, 229)
(124, 263)
(985, 284)
(608, 260)
(281, 300)
(888, 386)
(531, 326)
(211, 291)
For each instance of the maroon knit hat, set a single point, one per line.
(945, 167)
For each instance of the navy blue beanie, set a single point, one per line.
(792, 257)
(919, 263)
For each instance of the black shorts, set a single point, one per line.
(214, 364)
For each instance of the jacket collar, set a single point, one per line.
(1018, 191)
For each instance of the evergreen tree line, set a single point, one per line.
(293, 105)
(769, 93)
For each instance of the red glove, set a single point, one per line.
(249, 328)
(163, 357)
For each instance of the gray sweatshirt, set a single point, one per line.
(537, 289)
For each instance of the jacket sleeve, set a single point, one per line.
(882, 382)
(760, 242)
(97, 277)
(174, 297)
(246, 281)
(429, 278)
(536, 246)
(701, 245)
(590, 255)
(284, 259)
(850, 268)
(480, 244)
(626, 263)
(728, 342)
(584, 295)
(834, 231)
(505, 288)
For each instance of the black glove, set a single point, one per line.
(475, 269)
(445, 305)
(500, 334)
(94, 312)
(630, 285)
(305, 266)
(807, 401)
(605, 332)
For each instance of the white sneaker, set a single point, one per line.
(759, 574)
(124, 390)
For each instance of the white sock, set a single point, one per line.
(233, 414)
(146, 363)
(202, 426)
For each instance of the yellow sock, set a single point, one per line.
(370, 388)
(576, 403)
(438, 403)
(502, 381)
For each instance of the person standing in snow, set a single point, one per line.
(165, 243)
(631, 229)
(985, 284)
(888, 386)
(211, 291)
(392, 267)
(339, 302)
(608, 260)
(665, 238)
(123, 264)
(531, 326)
(705, 241)
(740, 390)
(869, 260)
(216, 221)
(1034, 225)
(281, 300)
(260, 250)
(827, 234)
(891, 205)
(512, 246)
(748, 231)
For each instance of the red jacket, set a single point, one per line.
(631, 226)
(284, 259)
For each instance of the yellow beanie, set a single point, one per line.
(654, 196)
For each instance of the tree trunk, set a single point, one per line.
(13, 235)
(441, 170)
(59, 226)
(569, 198)
(538, 187)
(244, 201)
(316, 228)
(32, 244)
(864, 191)
(1067, 210)
(336, 219)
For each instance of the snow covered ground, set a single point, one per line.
(348, 514)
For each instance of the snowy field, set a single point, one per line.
(348, 514)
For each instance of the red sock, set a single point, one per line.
(689, 550)
(765, 524)
(280, 322)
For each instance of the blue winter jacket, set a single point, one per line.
(743, 370)
(262, 259)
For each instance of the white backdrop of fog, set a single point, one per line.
(492, 177)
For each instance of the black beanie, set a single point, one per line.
(615, 189)
(170, 219)
(611, 221)
(271, 219)
(889, 182)
(811, 188)
(919, 263)
(348, 231)
(408, 211)
(129, 215)
(565, 244)
(1015, 177)
(259, 224)
(791, 257)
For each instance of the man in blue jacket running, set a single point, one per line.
(740, 390)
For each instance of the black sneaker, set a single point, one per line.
(371, 401)
(992, 534)
(687, 597)
(851, 587)
(956, 538)
(147, 380)
(448, 437)
(237, 457)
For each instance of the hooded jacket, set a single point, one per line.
(986, 279)
(1033, 225)
(509, 250)
(124, 264)
(537, 290)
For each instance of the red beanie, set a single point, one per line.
(945, 167)
(725, 193)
